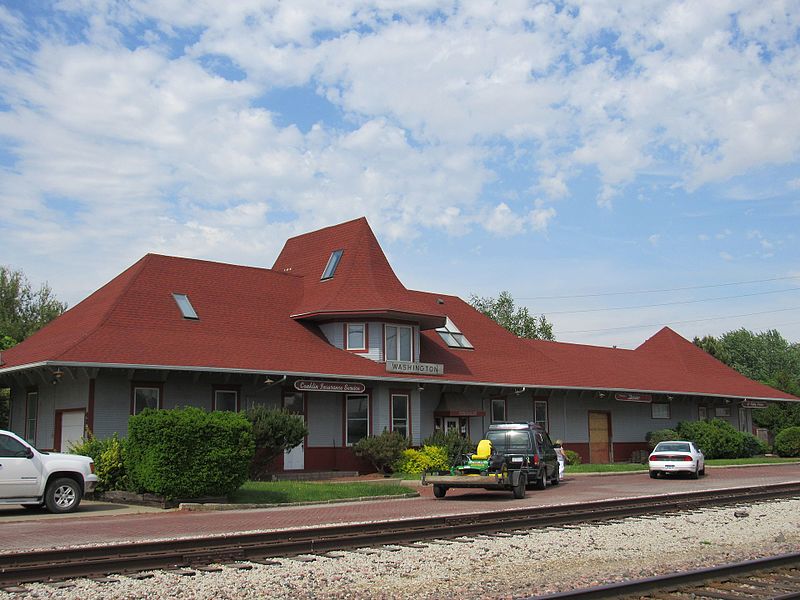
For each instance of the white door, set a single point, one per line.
(19, 475)
(294, 459)
(72, 424)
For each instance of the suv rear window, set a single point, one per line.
(510, 441)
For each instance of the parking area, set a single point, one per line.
(98, 523)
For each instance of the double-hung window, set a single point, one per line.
(498, 410)
(357, 409)
(32, 412)
(659, 410)
(540, 413)
(145, 396)
(226, 399)
(356, 336)
(400, 414)
(399, 342)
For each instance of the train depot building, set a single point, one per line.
(330, 333)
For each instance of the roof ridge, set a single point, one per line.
(141, 262)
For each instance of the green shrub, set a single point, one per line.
(453, 442)
(752, 446)
(188, 452)
(109, 460)
(274, 432)
(427, 458)
(719, 439)
(787, 442)
(572, 457)
(381, 450)
(660, 435)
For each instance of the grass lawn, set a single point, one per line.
(622, 467)
(756, 460)
(612, 468)
(272, 492)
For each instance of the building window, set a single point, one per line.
(357, 426)
(333, 262)
(187, 310)
(452, 336)
(400, 404)
(498, 410)
(722, 411)
(226, 399)
(356, 336)
(398, 342)
(145, 396)
(31, 416)
(659, 410)
(702, 413)
(540, 413)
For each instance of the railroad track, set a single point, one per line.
(62, 564)
(773, 578)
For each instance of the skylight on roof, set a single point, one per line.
(187, 310)
(333, 262)
(452, 335)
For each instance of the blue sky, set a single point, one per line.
(617, 166)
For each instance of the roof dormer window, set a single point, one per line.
(452, 336)
(187, 310)
(333, 262)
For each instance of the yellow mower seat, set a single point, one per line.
(484, 450)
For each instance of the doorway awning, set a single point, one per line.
(453, 404)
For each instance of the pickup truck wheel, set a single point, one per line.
(62, 495)
(519, 489)
(439, 491)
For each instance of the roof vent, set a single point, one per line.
(439, 301)
(187, 310)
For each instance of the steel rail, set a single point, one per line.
(59, 564)
(684, 581)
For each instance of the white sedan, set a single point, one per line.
(678, 456)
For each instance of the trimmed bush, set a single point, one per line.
(188, 452)
(274, 431)
(427, 458)
(719, 439)
(660, 435)
(572, 457)
(454, 443)
(787, 442)
(109, 460)
(381, 450)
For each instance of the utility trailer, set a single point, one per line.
(512, 457)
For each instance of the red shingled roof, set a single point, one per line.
(261, 320)
(364, 282)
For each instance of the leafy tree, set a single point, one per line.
(24, 310)
(766, 357)
(778, 416)
(274, 432)
(517, 319)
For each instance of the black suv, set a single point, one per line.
(524, 446)
(516, 456)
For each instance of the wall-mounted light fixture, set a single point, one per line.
(57, 375)
(519, 390)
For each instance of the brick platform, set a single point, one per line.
(47, 531)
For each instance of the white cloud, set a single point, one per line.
(503, 221)
(726, 256)
(654, 239)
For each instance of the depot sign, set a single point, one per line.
(417, 368)
(308, 385)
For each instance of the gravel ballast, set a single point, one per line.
(524, 564)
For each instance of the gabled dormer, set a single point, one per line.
(352, 293)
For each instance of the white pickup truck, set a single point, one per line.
(36, 479)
